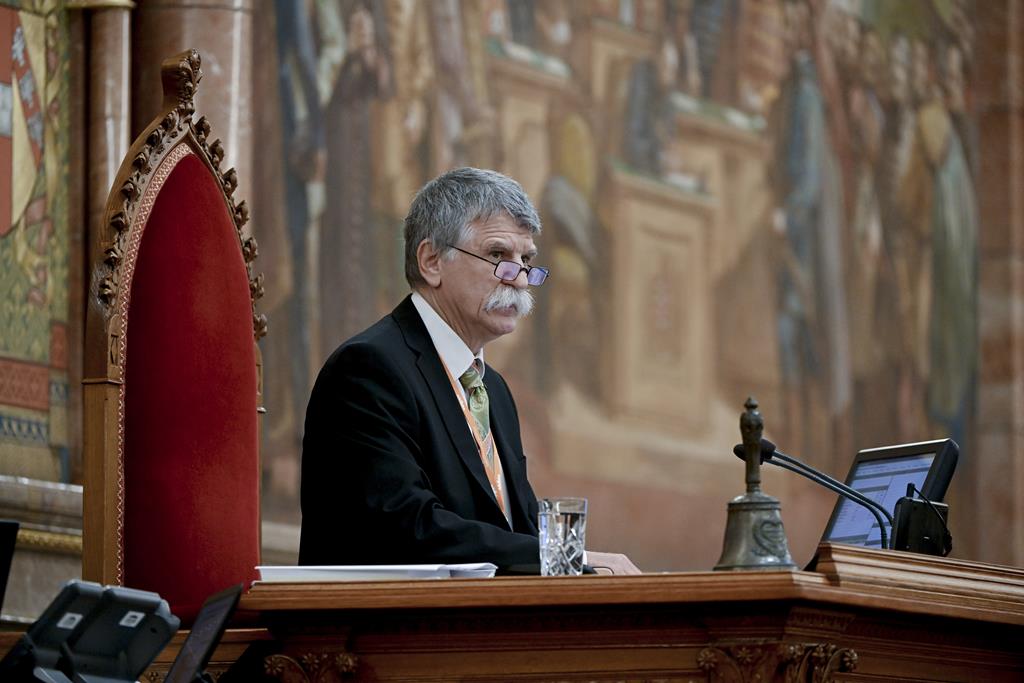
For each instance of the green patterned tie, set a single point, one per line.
(479, 407)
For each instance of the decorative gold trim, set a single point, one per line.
(100, 4)
(50, 541)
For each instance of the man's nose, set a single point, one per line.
(520, 281)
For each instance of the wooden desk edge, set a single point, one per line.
(965, 591)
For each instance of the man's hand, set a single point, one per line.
(611, 563)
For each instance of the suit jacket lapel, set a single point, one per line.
(436, 378)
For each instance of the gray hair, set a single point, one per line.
(445, 208)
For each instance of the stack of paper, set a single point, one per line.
(373, 572)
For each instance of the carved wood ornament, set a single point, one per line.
(171, 137)
(762, 662)
(312, 667)
(165, 144)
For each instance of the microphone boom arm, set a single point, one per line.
(827, 483)
(835, 483)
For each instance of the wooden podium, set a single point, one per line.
(861, 615)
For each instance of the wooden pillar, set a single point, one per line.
(995, 466)
(222, 32)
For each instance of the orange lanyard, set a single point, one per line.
(495, 476)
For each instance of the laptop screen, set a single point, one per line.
(205, 635)
(882, 474)
(8, 539)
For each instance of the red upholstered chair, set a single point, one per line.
(172, 389)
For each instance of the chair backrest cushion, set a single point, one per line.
(191, 463)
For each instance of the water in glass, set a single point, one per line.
(562, 526)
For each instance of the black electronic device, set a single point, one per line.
(92, 634)
(8, 539)
(195, 653)
(920, 525)
(882, 474)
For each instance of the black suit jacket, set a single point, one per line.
(390, 470)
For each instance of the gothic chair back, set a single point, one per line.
(173, 377)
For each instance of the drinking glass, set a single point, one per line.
(563, 526)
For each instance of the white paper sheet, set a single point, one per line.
(373, 572)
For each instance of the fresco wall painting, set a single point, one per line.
(34, 241)
(739, 196)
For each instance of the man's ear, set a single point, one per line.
(429, 260)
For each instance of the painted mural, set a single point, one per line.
(768, 197)
(34, 240)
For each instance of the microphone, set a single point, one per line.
(769, 453)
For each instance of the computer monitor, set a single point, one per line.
(882, 474)
(206, 632)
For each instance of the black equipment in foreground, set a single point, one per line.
(921, 525)
(206, 633)
(92, 634)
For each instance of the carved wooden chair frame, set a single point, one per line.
(169, 138)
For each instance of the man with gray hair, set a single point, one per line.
(412, 452)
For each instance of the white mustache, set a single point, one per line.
(509, 297)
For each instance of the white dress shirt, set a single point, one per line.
(454, 353)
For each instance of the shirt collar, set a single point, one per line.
(454, 353)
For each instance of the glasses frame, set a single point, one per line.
(497, 264)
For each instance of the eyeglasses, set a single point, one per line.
(508, 271)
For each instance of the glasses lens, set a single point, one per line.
(536, 276)
(507, 270)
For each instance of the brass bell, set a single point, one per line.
(754, 535)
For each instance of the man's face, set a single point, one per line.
(477, 305)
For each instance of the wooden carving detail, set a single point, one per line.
(819, 621)
(818, 663)
(159, 673)
(180, 76)
(766, 661)
(312, 667)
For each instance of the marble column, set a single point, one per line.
(109, 77)
(995, 466)
(103, 29)
(222, 32)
